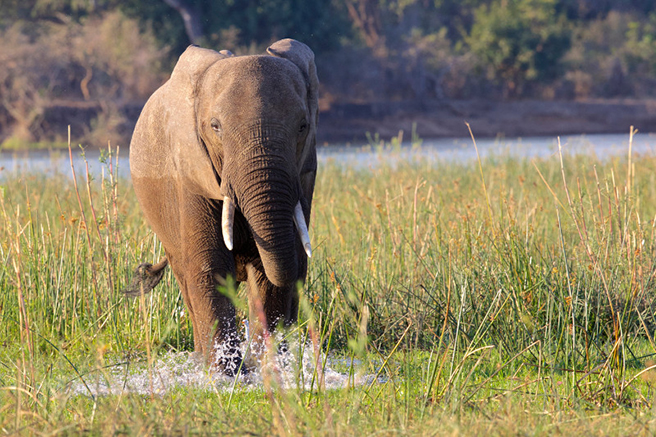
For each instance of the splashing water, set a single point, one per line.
(297, 365)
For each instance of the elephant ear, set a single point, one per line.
(190, 155)
(303, 57)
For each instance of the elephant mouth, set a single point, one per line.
(228, 217)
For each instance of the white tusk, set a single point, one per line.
(227, 219)
(299, 221)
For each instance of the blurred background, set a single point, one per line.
(510, 67)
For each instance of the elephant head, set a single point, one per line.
(253, 145)
(256, 117)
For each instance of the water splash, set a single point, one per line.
(292, 367)
(299, 365)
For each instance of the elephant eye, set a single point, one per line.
(216, 126)
(302, 127)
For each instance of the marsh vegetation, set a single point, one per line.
(510, 295)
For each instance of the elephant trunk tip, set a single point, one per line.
(279, 259)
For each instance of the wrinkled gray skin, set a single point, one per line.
(242, 127)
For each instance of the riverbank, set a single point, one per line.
(350, 122)
(446, 119)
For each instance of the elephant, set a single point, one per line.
(223, 163)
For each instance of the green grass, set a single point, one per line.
(16, 144)
(512, 298)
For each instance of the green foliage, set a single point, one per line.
(598, 9)
(519, 41)
(641, 46)
(613, 56)
(37, 11)
(236, 25)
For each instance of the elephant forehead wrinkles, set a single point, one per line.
(269, 134)
(267, 85)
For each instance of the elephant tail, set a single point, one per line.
(145, 278)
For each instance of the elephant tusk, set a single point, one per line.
(299, 221)
(227, 219)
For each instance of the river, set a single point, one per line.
(426, 151)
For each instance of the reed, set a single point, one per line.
(510, 294)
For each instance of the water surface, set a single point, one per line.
(440, 151)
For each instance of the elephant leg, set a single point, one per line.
(203, 267)
(179, 276)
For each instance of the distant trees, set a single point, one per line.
(242, 24)
(594, 9)
(519, 41)
(106, 53)
(613, 56)
(191, 17)
(99, 65)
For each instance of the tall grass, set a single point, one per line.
(517, 289)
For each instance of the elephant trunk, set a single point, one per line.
(267, 193)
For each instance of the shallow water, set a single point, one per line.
(463, 150)
(184, 370)
(429, 151)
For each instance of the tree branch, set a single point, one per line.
(191, 18)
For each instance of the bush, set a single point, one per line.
(614, 56)
(519, 42)
(101, 64)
